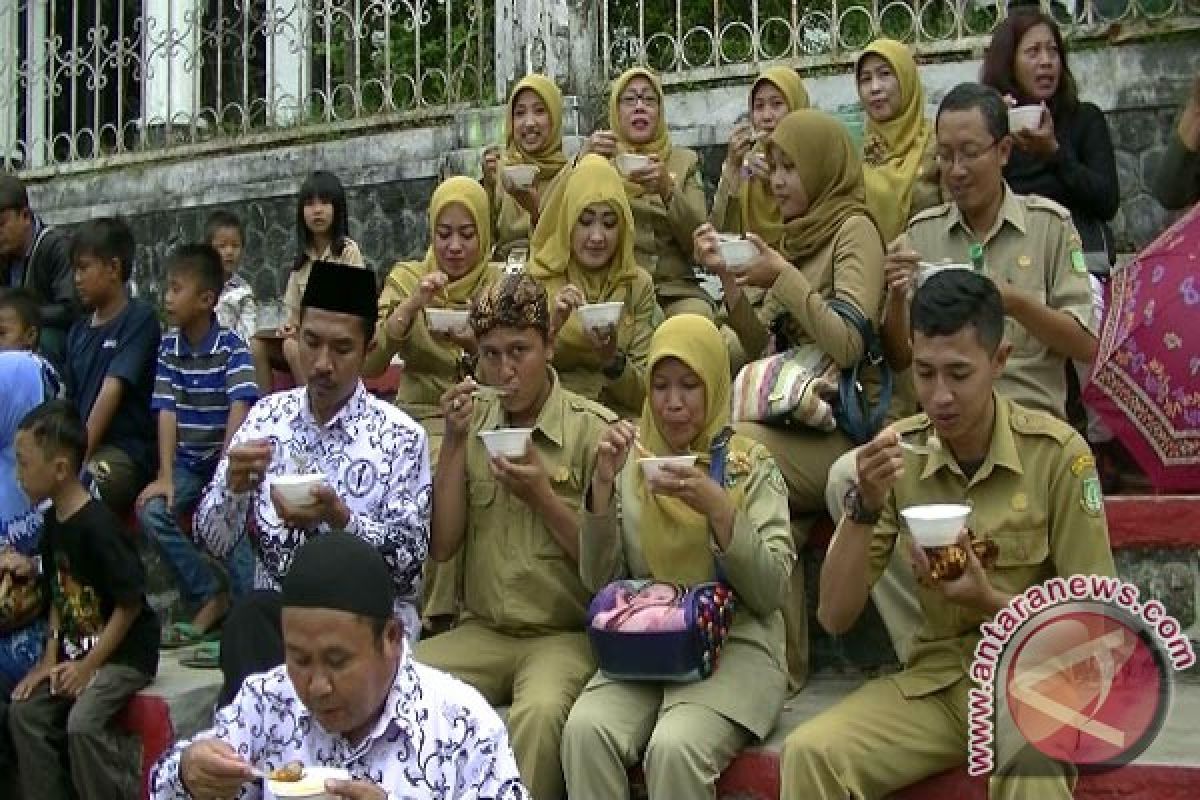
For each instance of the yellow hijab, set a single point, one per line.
(819, 147)
(553, 263)
(660, 145)
(469, 194)
(892, 150)
(675, 538)
(757, 202)
(550, 160)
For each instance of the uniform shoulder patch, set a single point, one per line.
(1040, 423)
(1039, 203)
(933, 212)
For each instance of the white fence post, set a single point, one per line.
(533, 36)
(170, 49)
(9, 84)
(288, 30)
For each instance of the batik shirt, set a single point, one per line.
(436, 739)
(372, 454)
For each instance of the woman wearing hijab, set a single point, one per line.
(898, 165)
(744, 192)
(678, 529)
(533, 136)
(666, 196)
(583, 254)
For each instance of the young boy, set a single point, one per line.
(236, 307)
(21, 329)
(110, 362)
(102, 645)
(203, 388)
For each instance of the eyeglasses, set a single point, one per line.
(968, 155)
(631, 100)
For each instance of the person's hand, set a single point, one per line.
(211, 770)
(163, 487)
(970, 590)
(326, 507)
(71, 678)
(878, 465)
(706, 250)
(765, 268)
(568, 299)
(604, 342)
(527, 197)
(612, 451)
(654, 178)
(286, 330)
(693, 486)
(490, 165)
(602, 143)
(32, 680)
(740, 143)
(355, 790)
(248, 464)
(1039, 142)
(458, 404)
(900, 267)
(756, 167)
(19, 565)
(462, 337)
(1189, 121)
(525, 477)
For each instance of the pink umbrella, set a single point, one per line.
(1145, 382)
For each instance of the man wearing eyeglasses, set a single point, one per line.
(35, 256)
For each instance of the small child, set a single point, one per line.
(203, 389)
(21, 329)
(102, 645)
(111, 353)
(237, 309)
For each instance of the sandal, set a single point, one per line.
(184, 634)
(205, 656)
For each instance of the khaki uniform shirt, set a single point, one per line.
(581, 368)
(1036, 495)
(750, 683)
(517, 578)
(298, 279)
(663, 246)
(510, 222)
(1035, 247)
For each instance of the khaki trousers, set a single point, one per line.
(540, 676)
(686, 747)
(877, 741)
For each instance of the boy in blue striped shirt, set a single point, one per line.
(203, 388)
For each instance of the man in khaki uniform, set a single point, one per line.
(1032, 484)
(517, 522)
(1028, 246)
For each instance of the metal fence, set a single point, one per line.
(690, 40)
(88, 82)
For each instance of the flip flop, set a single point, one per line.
(205, 656)
(184, 634)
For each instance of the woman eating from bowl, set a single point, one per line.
(533, 158)
(583, 255)
(682, 528)
(662, 183)
(1064, 151)
(743, 191)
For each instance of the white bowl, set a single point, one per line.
(736, 251)
(936, 525)
(521, 176)
(296, 490)
(652, 468)
(506, 442)
(628, 163)
(445, 320)
(598, 316)
(1024, 118)
(310, 787)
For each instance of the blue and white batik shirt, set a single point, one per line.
(436, 739)
(373, 455)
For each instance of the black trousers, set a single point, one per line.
(251, 640)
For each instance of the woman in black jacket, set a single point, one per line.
(1068, 157)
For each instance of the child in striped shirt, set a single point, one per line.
(204, 386)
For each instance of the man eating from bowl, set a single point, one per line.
(358, 718)
(1031, 483)
(516, 519)
(367, 461)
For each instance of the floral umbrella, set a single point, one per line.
(1145, 382)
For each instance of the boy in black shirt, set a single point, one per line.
(102, 645)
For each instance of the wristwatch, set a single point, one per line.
(852, 505)
(616, 367)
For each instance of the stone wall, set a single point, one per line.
(390, 173)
